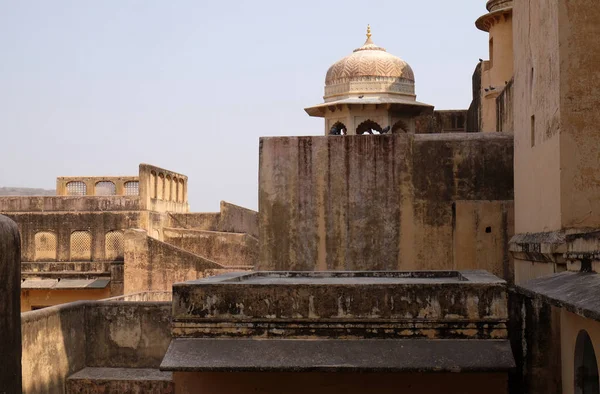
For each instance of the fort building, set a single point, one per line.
(428, 260)
(102, 237)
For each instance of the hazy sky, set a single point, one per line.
(97, 87)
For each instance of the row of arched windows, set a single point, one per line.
(80, 245)
(167, 188)
(369, 127)
(102, 188)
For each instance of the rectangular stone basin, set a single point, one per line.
(390, 304)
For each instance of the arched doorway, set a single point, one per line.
(338, 129)
(368, 127)
(586, 366)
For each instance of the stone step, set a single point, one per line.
(120, 380)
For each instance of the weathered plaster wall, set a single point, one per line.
(127, 334)
(571, 324)
(53, 347)
(328, 383)
(535, 336)
(537, 117)
(10, 325)
(382, 202)
(154, 265)
(578, 34)
(61, 340)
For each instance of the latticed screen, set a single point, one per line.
(114, 245)
(76, 188)
(106, 188)
(45, 246)
(132, 188)
(81, 245)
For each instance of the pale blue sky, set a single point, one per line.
(97, 87)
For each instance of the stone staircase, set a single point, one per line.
(120, 380)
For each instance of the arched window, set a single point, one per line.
(153, 184)
(338, 129)
(45, 246)
(81, 246)
(76, 188)
(105, 188)
(399, 127)
(132, 188)
(181, 193)
(113, 245)
(160, 186)
(174, 190)
(368, 127)
(168, 188)
(586, 366)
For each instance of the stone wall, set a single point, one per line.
(226, 249)
(474, 111)
(61, 340)
(231, 218)
(153, 265)
(443, 121)
(96, 226)
(162, 190)
(10, 288)
(388, 202)
(504, 109)
(12, 204)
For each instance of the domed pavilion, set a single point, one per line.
(369, 91)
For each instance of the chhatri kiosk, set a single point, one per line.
(369, 91)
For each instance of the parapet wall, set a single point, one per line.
(61, 340)
(231, 218)
(162, 190)
(97, 186)
(392, 202)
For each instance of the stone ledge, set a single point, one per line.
(247, 355)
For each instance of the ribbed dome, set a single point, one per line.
(369, 61)
(369, 70)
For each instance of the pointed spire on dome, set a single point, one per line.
(369, 41)
(369, 44)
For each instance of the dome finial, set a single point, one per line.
(369, 41)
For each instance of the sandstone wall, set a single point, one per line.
(505, 109)
(231, 218)
(227, 249)
(61, 340)
(162, 190)
(389, 202)
(10, 288)
(62, 225)
(152, 265)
